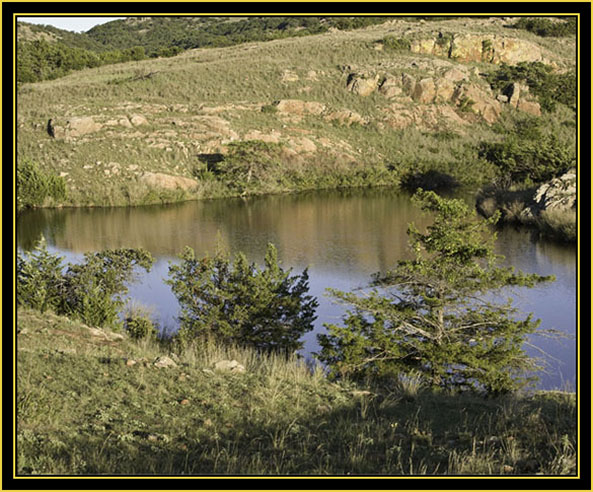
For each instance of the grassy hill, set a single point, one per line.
(91, 401)
(372, 106)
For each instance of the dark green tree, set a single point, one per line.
(430, 315)
(238, 302)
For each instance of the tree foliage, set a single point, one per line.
(547, 27)
(91, 291)
(431, 315)
(238, 302)
(520, 159)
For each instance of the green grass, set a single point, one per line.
(82, 410)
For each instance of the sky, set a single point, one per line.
(69, 23)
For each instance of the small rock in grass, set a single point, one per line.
(229, 365)
(164, 361)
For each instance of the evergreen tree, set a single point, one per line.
(237, 302)
(430, 316)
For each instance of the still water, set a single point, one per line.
(341, 236)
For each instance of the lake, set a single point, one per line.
(341, 236)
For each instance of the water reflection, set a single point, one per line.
(366, 229)
(343, 237)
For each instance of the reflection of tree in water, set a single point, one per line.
(31, 224)
(363, 228)
(523, 246)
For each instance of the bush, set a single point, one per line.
(240, 303)
(91, 291)
(39, 278)
(249, 164)
(138, 324)
(430, 319)
(548, 28)
(524, 160)
(391, 43)
(34, 187)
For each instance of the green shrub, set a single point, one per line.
(428, 180)
(548, 28)
(269, 108)
(39, 278)
(34, 187)
(138, 323)
(91, 291)
(239, 303)
(391, 43)
(249, 164)
(521, 160)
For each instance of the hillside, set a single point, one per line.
(342, 108)
(46, 52)
(94, 402)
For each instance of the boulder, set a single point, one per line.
(302, 145)
(272, 137)
(298, 107)
(558, 194)
(167, 181)
(454, 75)
(362, 83)
(78, 126)
(138, 120)
(444, 90)
(289, 76)
(519, 97)
(424, 91)
(229, 366)
(391, 87)
(531, 107)
(476, 100)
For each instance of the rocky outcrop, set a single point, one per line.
(429, 117)
(557, 195)
(138, 120)
(471, 98)
(487, 48)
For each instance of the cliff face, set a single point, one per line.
(485, 48)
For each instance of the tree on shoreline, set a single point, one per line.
(240, 303)
(429, 316)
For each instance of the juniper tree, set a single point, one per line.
(238, 302)
(433, 315)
